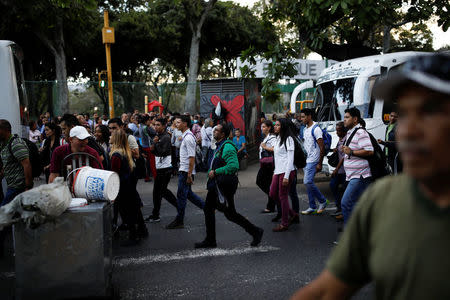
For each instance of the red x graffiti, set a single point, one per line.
(233, 109)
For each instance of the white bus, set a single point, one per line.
(349, 84)
(13, 98)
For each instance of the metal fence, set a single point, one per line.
(88, 97)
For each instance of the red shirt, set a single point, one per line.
(62, 151)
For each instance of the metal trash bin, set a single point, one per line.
(68, 258)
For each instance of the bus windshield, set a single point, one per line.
(332, 98)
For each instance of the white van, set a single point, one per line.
(13, 98)
(349, 84)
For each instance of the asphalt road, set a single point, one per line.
(166, 265)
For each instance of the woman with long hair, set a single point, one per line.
(284, 172)
(53, 140)
(128, 204)
(266, 163)
(102, 134)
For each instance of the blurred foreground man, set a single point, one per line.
(398, 234)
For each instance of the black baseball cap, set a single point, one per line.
(430, 71)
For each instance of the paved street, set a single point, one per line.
(166, 266)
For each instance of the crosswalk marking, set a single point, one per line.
(192, 254)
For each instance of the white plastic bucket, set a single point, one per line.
(95, 184)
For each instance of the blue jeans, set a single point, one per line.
(336, 181)
(185, 193)
(11, 193)
(355, 188)
(308, 179)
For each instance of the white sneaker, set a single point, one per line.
(309, 211)
(322, 207)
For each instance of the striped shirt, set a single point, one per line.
(355, 167)
(14, 174)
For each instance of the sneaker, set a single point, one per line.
(205, 244)
(175, 225)
(152, 219)
(309, 211)
(322, 207)
(338, 212)
(257, 238)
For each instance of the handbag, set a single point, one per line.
(333, 159)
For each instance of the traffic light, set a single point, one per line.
(102, 79)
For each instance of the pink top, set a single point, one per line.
(355, 167)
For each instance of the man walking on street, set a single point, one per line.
(186, 172)
(314, 147)
(161, 148)
(357, 149)
(397, 237)
(222, 185)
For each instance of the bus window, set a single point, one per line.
(18, 59)
(369, 88)
(332, 98)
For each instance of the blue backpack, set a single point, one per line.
(326, 139)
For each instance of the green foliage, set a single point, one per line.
(350, 28)
(417, 38)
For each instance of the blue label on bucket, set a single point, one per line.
(94, 187)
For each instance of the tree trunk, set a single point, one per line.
(386, 38)
(56, 47)
(61, 82)
(191, 89)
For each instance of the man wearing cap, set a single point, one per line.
(78, 140)
(397, 236)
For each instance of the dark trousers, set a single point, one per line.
(160, 190)
(228, 209)
(129, 205)
(338, 186)
(263, 181)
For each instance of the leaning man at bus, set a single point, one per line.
(16, 163)
(398, 235)
(78, 140)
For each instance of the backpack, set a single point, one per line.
(33, 155)
(199, 160)
(140, 169)
(326, 137)
(299, 153)
(377, 162)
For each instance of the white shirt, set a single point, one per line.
(132, 142)
(213, 140)
(105, 122)
(163, 162)
(310, 144)
(206, 136)
(284, 157)
(33, 136)
(270, 141)
(187, 150)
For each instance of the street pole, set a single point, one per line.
(108, 39)
(146, 104)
